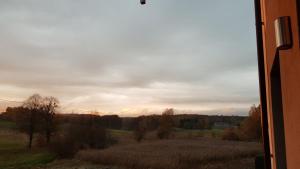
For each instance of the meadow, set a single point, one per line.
(186, 149)
(199, 153)
(13, 150)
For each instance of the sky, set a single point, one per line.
(117, 56)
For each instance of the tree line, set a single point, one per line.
(250, 129)
(38, 115)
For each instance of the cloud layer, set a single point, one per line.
(118, 56)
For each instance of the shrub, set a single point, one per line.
(140, 130)
(163, 133)
(97, 137)
(40, 141)
(88, 136)
(78, 136)
(166, 124)
(63, 147)
(230, 134)
(251, 126)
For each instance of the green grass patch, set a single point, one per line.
(216, 133)
(7, 125)
(12, 145)
(14, 153)
(25, 159)
(114, 132)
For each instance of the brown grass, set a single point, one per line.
(74, 164)
(203, 153)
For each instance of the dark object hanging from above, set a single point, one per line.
(143, 2)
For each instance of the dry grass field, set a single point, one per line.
(202, 153)
(74, 164)
(185, 150)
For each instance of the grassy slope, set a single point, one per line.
(14, 153)
(183, 133)
(190, 147)
(7, 125)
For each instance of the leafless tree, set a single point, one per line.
(166, 124)
(37, 115)
(49, 108)
(140, 130)
(30, 115)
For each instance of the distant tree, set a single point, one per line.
(36, 115)
(29, 116)
(140, 130)
(21, 117)
(207, 123)
(231, 134)
(251, 126)
(79, 132)
(192, 123)
(10, 113)
(111, 121)
(249, 129)
(49, 107)
(152, 122)
(166, 124)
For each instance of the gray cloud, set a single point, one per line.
(110, 55)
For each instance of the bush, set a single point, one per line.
(63, 147)
(163, 133)
(251, 126)
(88, 136)
(139, 134)
(140, 130)
(97, 137)
(230, 134)
(78, 136)
(166, 124)
(40, 141)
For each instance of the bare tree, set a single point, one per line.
(140, 130)
(49, 107)
(166, 124)
(30, 115)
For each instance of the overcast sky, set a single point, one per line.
(116, 56)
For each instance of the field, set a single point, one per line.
(177, 154)
(187, 149)
(14, 153)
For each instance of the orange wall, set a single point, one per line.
(290, 77)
